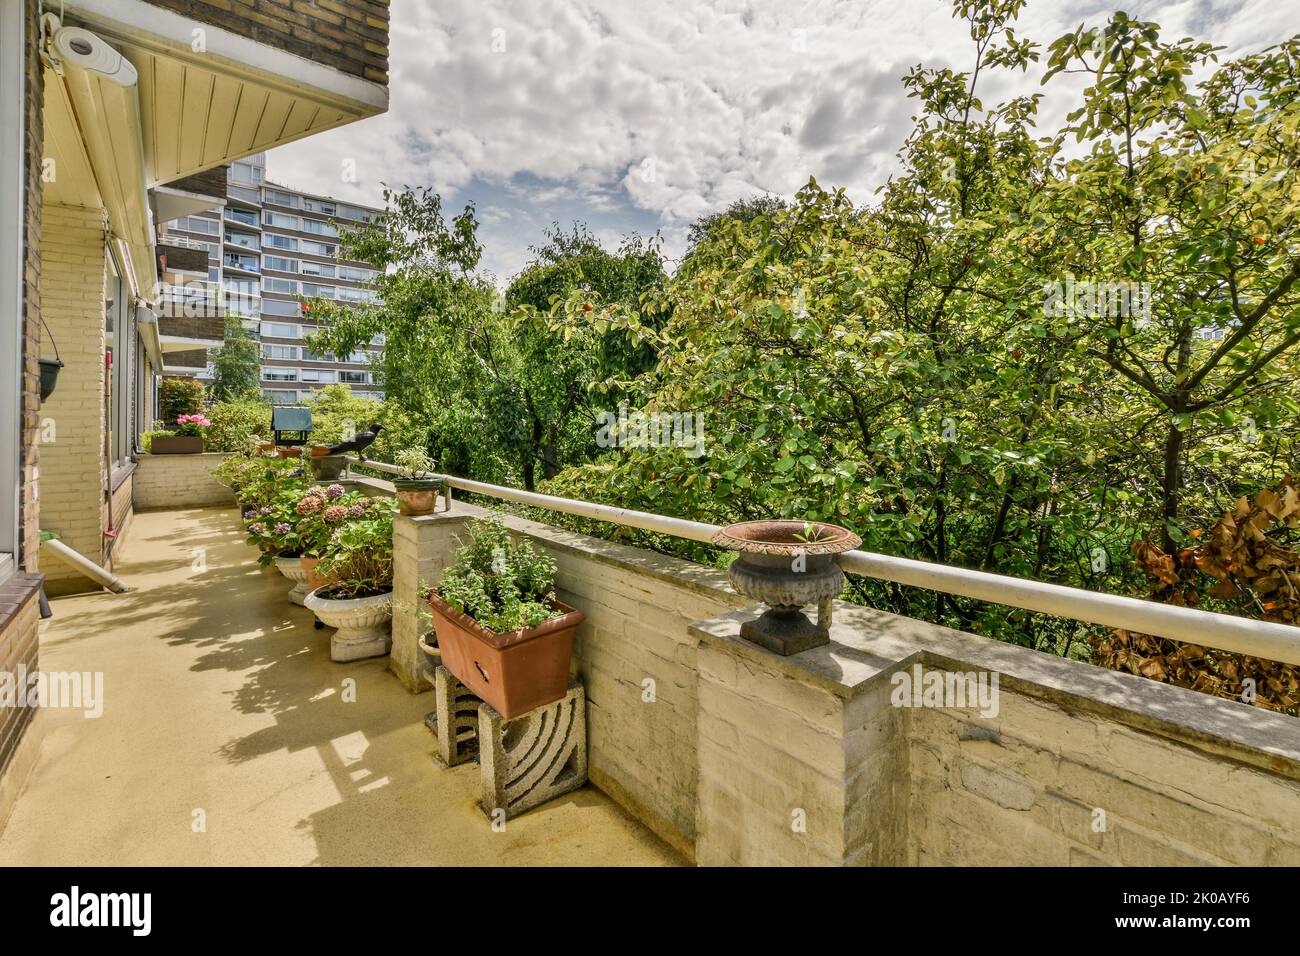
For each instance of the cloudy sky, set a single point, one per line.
(642, 115)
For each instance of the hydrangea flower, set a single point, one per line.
(250, 514)
(264, 511)
(283, 528)
(335, 513)
(309, 505)
(357, 511)
(257, 527)
(334, 491)
(315, 491)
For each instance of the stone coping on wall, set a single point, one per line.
(869, 645)
(678, 571)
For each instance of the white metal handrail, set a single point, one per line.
(1276, 642)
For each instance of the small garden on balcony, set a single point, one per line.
(1065, 354)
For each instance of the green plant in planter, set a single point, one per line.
(502, 584)
(236, 471)
(358, 553)
(146, 438)
(272, 476)
(414, 464)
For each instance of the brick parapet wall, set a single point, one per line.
(348, 35)
(178, 481)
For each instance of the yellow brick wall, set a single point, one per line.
(71, 488)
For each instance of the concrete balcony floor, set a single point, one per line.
(220, 696)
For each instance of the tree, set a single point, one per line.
(741, 210)
(234, 365)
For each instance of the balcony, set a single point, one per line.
(242, 710)
(184, 332)
(243, 713)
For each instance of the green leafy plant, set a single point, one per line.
(179, 396)
(146, 438)
(235, 422)
(502, 584)
(414, 463)
(358, 550)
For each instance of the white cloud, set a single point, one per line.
(658, 113)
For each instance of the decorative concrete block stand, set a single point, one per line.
(536, 757)
(524, 762)
(455, 719)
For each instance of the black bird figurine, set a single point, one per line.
(358, 442)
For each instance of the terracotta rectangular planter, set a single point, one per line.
(514, 672)
(176, 445)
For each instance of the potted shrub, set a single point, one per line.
(417, 489)
(187, 439)
(320, 512)
(500, 630)
(359, 558)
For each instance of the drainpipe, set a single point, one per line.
(87, 567)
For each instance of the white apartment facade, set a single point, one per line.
(270, 247)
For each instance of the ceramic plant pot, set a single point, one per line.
(787, 565)
(291, 567)
(315, 580)
(361, 624)
(417, 496)
(515, 672)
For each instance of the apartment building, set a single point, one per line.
(117, 116)
(268, 248)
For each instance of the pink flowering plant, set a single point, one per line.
(192, 426)
(358, 553)
(323, 510)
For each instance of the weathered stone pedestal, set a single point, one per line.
(525, 762)
(455, 719)
(535, 757)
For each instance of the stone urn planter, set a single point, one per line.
(291, 567)
(787, 565)
(176, 445)
(362, 624)
(515, 672)
(417, 496)
(429, 645)
(324, 466)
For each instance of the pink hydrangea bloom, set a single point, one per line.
(334, 491)
(309, 505)
(335, 513)
(257, 527)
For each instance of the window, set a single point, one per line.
(355, 274)
(279, 396)
(354, 378)
(272, 373)
(318, 376)
(311, 290)
(279, 220)
(245, 173)
(323, 206)
(279, 264)
(281, 330)
(316, 227)
(243, 240)
(327, 249)
(209, 227)
(272, 241)
(246, 263)
(280, 352)
(281, 198)
(353, 212)
(310, 268)
(282, 286)
(356, 295)
(242, 216)
(280, 307)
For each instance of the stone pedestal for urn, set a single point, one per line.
(292, 569)
(362, 624)
(788, 565)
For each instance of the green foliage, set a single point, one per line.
(504, 585)
(358, 552)
(414, 463)
(179, 396)
(235, 366)
(236, 421)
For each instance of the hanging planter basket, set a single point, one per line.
(49, 367)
